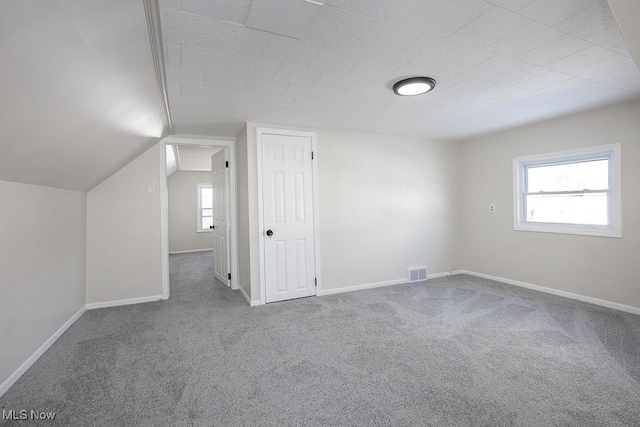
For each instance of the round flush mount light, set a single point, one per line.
(414, 86)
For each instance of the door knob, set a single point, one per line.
(212, 227)
(269, 233)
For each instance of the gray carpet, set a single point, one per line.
(454, 351)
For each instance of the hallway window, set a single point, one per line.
(205, 207)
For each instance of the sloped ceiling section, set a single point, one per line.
(194, 158)
(498, 64)
(189, 158)
(627, 14)
(79, 93)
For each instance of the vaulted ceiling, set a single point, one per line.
(189, 158)
(498, 64)
(80, 95)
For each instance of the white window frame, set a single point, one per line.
(199, 228)
(520, 165)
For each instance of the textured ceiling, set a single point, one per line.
(498, 64)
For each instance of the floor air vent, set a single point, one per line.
(417, 274)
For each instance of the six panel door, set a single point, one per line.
(289, 248)
(220, 230)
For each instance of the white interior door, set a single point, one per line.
(220, 216)
(289, 249)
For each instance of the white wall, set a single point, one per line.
(42, 266)
(183, 212)
(254, 233)
(123, 233)
(387, 203)
(599, 267)
(242, 189)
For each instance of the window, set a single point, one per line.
(572, 192)
(205, 207)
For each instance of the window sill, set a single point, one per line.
(560, 229)
(204, 231)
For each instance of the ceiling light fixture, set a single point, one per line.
(414, 86)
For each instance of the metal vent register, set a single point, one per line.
(417, 274)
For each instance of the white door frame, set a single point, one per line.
(316, 218)
(164, 205)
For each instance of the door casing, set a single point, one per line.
(316, 218)
(164, 205)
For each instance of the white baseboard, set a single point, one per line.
(119, 302)
(252, 303)
(552, 291)
(322, 292)
(439, 275)
(44, 347)
(39, 352)
(190, 251)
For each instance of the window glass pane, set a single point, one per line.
(591, 175)
(206, 222)
(206, 197)
(591, 208)
(207, 212)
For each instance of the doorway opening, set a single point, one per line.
(198, 208)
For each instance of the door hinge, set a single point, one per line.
(316, 279)
(229, 276)
(226, 164)
(312, 155)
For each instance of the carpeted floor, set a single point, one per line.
(454, 351)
